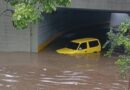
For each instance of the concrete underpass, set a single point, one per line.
(48, 70)
(66, 24)
(83, 18)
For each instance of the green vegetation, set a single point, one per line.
(29, 11)
(124, 65)
(120, 38)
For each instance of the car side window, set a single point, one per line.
(83, 46)
(93, 43)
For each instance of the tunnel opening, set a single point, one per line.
(67, 24)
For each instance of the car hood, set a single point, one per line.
(65, 51)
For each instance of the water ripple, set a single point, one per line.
(10, 80)
(10, 76)
(59, 83)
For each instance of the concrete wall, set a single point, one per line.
(102, 4)
(118, 18)
(34, 38)
(12, 40)
(52, 26)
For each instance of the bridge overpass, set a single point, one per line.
(81, 14)
(110, 5)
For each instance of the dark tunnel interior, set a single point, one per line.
(78, 23)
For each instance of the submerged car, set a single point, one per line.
(81, 46)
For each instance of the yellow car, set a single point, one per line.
(81, 46)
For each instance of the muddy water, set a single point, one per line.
(51, 71)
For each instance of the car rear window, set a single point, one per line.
(93, 43)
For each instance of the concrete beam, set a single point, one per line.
(114, 5)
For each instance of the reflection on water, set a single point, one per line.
(94, 56)
(48, 71)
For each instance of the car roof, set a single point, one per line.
(82, 40)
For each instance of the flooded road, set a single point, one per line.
(51, 71)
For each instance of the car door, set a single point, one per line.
(94, 46)
(82, 48)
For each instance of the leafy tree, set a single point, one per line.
(29, 11)
(120, 38)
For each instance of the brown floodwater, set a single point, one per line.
(51, 71)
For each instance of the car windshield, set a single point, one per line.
(72, 45)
